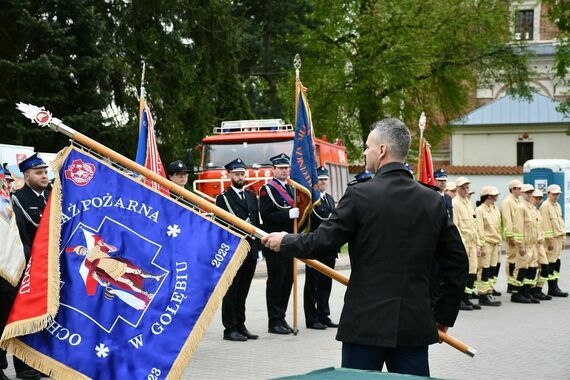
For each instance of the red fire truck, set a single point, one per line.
(255, 141)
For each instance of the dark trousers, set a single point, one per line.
(279, 283)
(7, 297)
(233, 305)
(404, 360)
(316, 293)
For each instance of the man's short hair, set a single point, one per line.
(395, 135)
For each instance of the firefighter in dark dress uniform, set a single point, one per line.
(243, 204)
(276, 205)
(318, 286)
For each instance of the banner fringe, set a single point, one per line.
(41, 362)
(209, 311)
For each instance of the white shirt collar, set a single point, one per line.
(238, 191)
(38, 194)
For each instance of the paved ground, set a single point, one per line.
(513, 341)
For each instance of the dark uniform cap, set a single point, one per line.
(322, 173)
(177, 167)
(440, 175)
(281, 160)
(32, 162)
(236, 165)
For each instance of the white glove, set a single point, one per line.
(293, 213)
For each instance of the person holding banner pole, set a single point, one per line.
(387, 317)
(278, 211)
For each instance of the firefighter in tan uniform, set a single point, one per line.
(525, 229)
(540, 267)
(555, 236)
(489, 232)
(508, 211)
(464, 220)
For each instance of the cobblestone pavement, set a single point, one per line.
(514, 341)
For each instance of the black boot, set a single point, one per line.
(517, 296)
(488, 300)
(554, 290)
(470, 285)
(537, 293)
(464, 305)
(526, 292)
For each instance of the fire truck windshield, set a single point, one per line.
(258, 153)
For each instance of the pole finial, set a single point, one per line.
(297, 64)
(422, 122)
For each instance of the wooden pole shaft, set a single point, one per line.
(241, 224)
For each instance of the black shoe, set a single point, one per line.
(3, 376)
(537, 293)
(316, 326)
(279, 330)
(519, 298)
(330, 323)
(286, 325)
(509, 288)
(557, 292)
(245, 332)
(235, 336)
(473, 305)
(496, 293)
(29, 374)
(464, 306)
(488, 300)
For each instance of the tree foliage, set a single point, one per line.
(209, 61)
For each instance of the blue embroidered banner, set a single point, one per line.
(303, 164)
(141, 277)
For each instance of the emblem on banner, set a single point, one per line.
(80, 173)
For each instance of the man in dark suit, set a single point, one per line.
(28, 203)
(393, 240)
(440, 177)
(318, 286)
(276, 205)
(243, 204)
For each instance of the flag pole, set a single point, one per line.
(142, 95)
(422, 125)
(44, 119)
(297, 65)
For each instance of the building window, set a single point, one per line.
(524, 26)
(524, 152)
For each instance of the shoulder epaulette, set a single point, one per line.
(361, 180)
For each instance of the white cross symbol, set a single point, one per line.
(173, 230)
(102, 350)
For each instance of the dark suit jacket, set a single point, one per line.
(320, 213)
(32, 206)
(395, 228)
(242, 210)
(275, 217)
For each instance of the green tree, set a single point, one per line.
(559, 13)
(401, 57)
(192, 81)
(51, 55)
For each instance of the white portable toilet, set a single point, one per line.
(543, 173)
